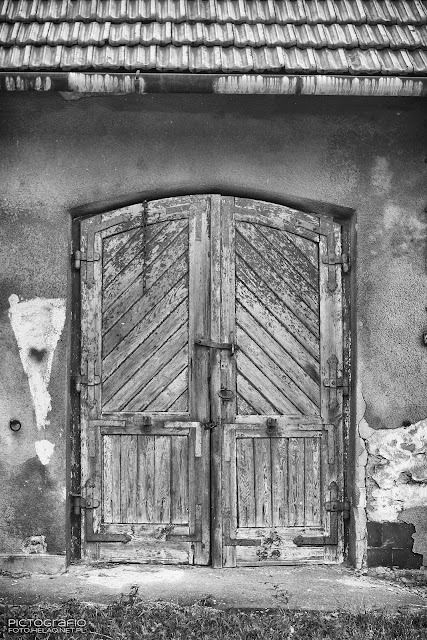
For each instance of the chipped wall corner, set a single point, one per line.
(390, 495)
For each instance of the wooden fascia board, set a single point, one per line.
(105, 83)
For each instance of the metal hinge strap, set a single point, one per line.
(337, 505)
(81, 256)
(342, 260)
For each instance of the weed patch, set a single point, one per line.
(130, 618)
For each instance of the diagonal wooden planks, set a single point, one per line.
(145, 320)
(277, 322)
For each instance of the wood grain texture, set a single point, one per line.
(245, 483)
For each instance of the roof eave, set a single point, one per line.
(118, 83)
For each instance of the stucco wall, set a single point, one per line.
(57, 155)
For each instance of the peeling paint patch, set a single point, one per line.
(37, 325)
(396, 471)
(44, 450)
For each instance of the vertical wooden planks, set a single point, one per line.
(227, 359)
(215, 385)
(111, 459)
(279, 481)
(128, 478)
(245, 482)
(162, 479)
(199, 406)
(312, 481)
(146, 479)
(179, 479)
(262, 468)
(296, 481)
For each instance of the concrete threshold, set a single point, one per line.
(323, 588)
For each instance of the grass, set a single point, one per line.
(129, 618)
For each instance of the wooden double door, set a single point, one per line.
(211, 383)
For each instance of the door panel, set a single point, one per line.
(211, 383)
(145, 454)
(281, 448)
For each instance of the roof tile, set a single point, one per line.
(77, 57)
(8, 34)
(45, 57)
(280, 35)
(404, 37)
(140, 10)
(419, 61)
(128, 33)
(156, 33)
(289, 11)
(310, 36)
(379, 12)
(299, 60)
(218, 34)
(15, 57)
(107, 10)
(139, 57)
(260, 11)
(410, 11)
(373, 36)
(93, 33)
(85, 10)
(109, 57)
(188, 33)
(307, 36)
(23, 10)
(53, 11)
(204, 59)
(201, 11)
(268, 59)
(330, 60)
(233, 58)
(363, 62)
(350, 11)
(171, 58)
(337, 35)
(393, 62)
(319, 11)
(249, 35)
(230, 11)
(32, 33)
(66, 33)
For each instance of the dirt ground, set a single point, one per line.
(293, 587)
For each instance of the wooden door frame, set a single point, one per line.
(344, 216)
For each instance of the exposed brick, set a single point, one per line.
(380, 557)
(397, 535)
(405, 559)
(375, 534)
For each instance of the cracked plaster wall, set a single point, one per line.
(367, 154)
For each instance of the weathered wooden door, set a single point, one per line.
(211, 383)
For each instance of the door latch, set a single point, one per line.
(211, 344)
(226, 394)
(208, 426)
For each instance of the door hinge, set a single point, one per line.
(342, 260)
(82, 380)
(79, 503)
(81, 256)
(333, 506)
(339, 505)
(335, 382)
(88, 504)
